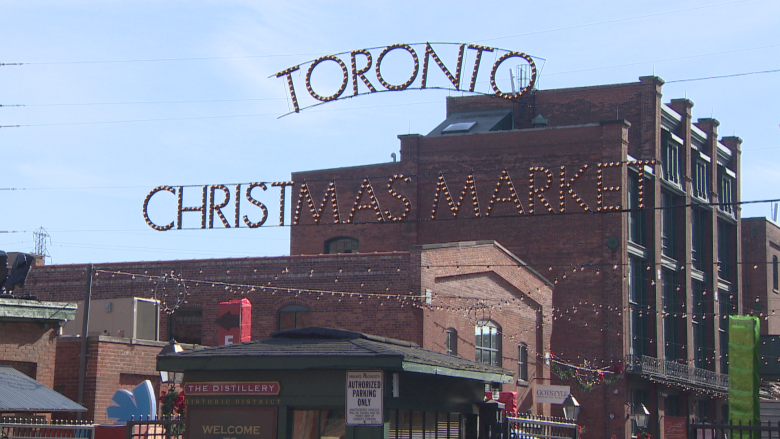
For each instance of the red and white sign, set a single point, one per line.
(233, 388)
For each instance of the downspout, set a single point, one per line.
(84, 332)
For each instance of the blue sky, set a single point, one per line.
(122, 96)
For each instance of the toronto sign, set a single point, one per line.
(367, 70)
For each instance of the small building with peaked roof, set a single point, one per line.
(322, 382)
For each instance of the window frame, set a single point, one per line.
(451, 341)
(345, 241)
(522, 362)
(294, 310)
(493, 346)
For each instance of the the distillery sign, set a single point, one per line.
(368, 71)
(550, 188)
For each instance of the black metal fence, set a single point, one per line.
(528, 426)
(761, 430)
(164, 428)
(27, 428)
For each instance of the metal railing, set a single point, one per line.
(673, 371)
(528, 426)
(24, 428)
(163, 428)
(734, 431)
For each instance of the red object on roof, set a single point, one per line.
(234, 324)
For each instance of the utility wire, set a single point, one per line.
(724, 76)
(202, 58)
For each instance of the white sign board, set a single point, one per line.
(551, 394)
(365, 398)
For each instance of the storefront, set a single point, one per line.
(326, 383)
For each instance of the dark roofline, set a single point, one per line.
(317, 332)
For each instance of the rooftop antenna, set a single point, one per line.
(40, 236)
(512, 79)
(773, 211)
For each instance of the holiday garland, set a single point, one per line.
(586, 377)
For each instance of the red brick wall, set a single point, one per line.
(381, 273)
(484, 283)
(112, 364)
(29, 348)
(761, 241)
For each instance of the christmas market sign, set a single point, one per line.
(368, 76)
(546, 186)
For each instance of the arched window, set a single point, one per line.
(341, 244)
(488, 342)
(293, 316)
(451, 343)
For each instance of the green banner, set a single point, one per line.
(744, 378)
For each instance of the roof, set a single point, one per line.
(20, 393)
(317, 348)
(13, 309)
(469, 122)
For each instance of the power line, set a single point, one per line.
(724, 76)
(202, 58)
(144, 102)
(207, 117)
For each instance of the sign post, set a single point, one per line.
(365, 398)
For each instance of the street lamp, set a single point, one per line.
(169, 376)
(571, 408)
(641, 416)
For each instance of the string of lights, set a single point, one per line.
(481, 304)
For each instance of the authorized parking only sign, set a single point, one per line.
(365, 397)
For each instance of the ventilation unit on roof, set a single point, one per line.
(458, 127)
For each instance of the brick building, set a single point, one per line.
(625, 202)
(469, 299)
(761, 279)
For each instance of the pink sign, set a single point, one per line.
(233, 388)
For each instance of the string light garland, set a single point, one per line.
(477, 304)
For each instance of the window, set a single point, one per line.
(406, 424)
(673, 314)
(451, 343)
(670, 162)
(185, 325)
(488, 343)
(699, 321)
(698, 238)
(726, 190)
(522, 362)
(638, 308)
(316, 424)
(636, 215)
(725, 246)
(341, 245)
(294, 316)
(700, 179)
(774, 273)
(724, 308)
(668, 226)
